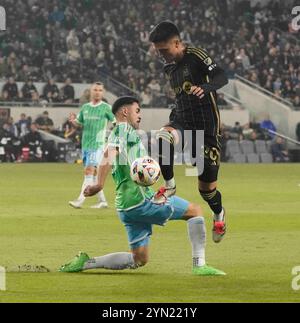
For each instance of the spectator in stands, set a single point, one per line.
(73, 46)
(44, 122)
(247, 132)
(13, 63)
(241, 46)
(244, 58)
(225, 132)
(253, 136)
(28, 90)
(154, 87)
(277, 84)
(9, 142)
(33, 140)
(155, 90)
(89, 46)
(22, 125)
(287, 89)
(85, 97)
(237, 131)
(279, 151)
(51, 92)
(24, 74)
(146, 97)
(35, 98)
(68, 93)
(11, 127)
(10, 90)
(231, 70)
(3, 67)
(267, 124)
(71, 132)
(57, 15)
(221, 99)
(296, 102)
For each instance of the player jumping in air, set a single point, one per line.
(194, 77)
(93, 117)
(134, 203)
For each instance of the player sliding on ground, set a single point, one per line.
(93, 118)
(134, 203)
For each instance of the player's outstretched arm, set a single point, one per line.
(109, 156)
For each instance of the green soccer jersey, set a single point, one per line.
(94, 119)
(130, 147)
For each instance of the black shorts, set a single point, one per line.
(212, 150)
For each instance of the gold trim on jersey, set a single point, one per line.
(198, 52)
(215, 108)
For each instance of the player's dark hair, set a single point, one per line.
(98, 83)
(164, 31)
(122, 101)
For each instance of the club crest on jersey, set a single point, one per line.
(187, 87)
(208, 61)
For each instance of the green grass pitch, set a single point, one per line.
(261, 247)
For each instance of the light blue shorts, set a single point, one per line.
(138, 221)
(92, 157)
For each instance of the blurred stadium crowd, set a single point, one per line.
(79, 41)
(20, 141)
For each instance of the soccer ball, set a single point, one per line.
(145, 171)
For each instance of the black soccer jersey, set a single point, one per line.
(191, 112)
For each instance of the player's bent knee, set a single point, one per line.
(193, 210)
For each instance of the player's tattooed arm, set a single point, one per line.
(109, 156)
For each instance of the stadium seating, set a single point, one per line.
(239, 158)
(247, 146)
(253, 158)
(269, 144)
(247, 151)
(260, 147)
(232, 148)
(266, 158)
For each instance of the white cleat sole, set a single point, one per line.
(75, 205)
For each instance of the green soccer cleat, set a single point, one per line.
(207, 271)
(76, 264)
